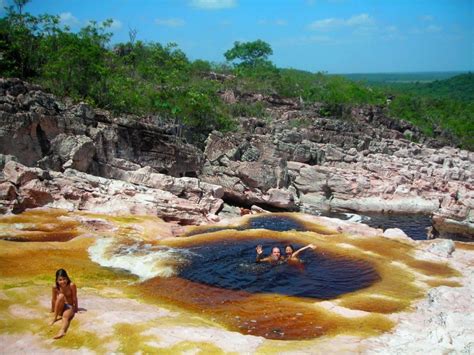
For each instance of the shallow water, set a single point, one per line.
(230, 264)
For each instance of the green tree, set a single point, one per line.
(77, 62)
(20, 40)
(249, 54)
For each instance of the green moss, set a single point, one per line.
(130, 338)
(11, 325)
(76, 339)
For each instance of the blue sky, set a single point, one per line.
(337, 36)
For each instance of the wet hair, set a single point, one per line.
(62, 273)
(291, 246)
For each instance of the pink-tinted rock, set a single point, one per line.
(7, 191)
(76, 190)
(19, 174)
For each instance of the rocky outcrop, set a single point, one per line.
(189, 202)
(355, 160)
(249, 171)
(297, 157)
(41, 131)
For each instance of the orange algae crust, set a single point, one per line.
(443, 282)
(56, 225)
(39, 226)
(284, 317)
(374, 304)
(269, 315)
(464, 246)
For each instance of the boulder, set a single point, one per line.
(19, 175)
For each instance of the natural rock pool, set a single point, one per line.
(349, 284)
(230, 264)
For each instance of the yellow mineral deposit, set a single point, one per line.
(53, 239)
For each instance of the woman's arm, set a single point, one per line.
(75, 303)
(54, 296)
(295, 254)
(260, 256)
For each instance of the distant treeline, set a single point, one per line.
(400, 78)
(460, 87)
(155, 79)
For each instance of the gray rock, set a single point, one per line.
(442, 247)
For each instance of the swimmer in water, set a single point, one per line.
(63, 301)
(292, 255)
(275, 256)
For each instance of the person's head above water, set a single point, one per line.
(289, 249)
(276, 253)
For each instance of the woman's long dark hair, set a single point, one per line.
(291, 246)
(62, 273)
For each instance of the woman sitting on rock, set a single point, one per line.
(63, 301)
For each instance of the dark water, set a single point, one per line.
(231, 265)
(275, 223)
(413, 225)
(270, 222)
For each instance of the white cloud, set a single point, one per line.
(325, 24)
(116, 24)
(331, 23)
(170, 22)
(68, 19)
(213, 4)
(360, 20)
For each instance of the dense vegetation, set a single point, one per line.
(436, 106)
(156, 79)
(459, 87)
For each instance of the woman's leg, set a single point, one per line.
(58, 307)
(68, 315)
